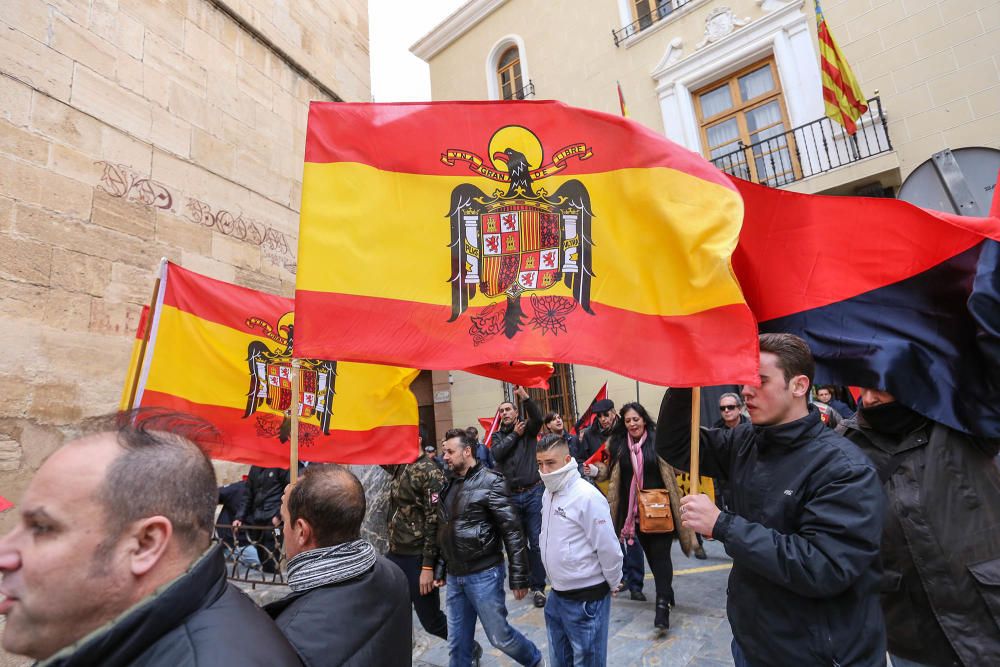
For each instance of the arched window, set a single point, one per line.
(509, 75)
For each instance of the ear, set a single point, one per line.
(150, 539)
(303, 534)
(799, 386)
(569, 457)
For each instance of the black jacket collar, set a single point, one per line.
(791, 434)
(125, 638)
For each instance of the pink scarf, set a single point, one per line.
(635, 451)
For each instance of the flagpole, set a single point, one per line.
(695, 438)
(145, 336)
(293, 464)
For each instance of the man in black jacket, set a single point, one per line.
(514, 452)
(941, 541)
(804, 523)
(475, 522)
(111, 561)
(262, 507)
(348, 606)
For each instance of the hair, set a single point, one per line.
(828, 387)
(619, 435)
(729, 394)
(162, 470)
(794, 356)
(472, 432)
(549, 416)
(462, 436)
(551, 441)
(503, 403)
(332, 501)
(650, 424)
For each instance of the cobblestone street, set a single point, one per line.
(699, 634)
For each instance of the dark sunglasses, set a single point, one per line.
(725, 408)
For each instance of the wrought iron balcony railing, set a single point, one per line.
(253, 553)
(522, 92)
(807, 150)
(664, 8)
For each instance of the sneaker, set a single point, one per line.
(477, 653)
(638, 596)
(538, 597)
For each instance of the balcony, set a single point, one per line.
(522, 93)
(814, 148)
(664, 8)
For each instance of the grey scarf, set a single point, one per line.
(330, 565)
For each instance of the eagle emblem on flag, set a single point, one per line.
(522, 240)
(271, 379)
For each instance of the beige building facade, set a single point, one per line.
(132, 130)
(737, 81)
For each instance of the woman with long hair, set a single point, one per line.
(633, 466)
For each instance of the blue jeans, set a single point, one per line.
(481, 594)
(529, 508)
(578, 631)
(634, 568)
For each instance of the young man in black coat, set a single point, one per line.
(100, 570)
(349, 606)
(804, 523)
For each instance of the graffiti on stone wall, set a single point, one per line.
(122, 182)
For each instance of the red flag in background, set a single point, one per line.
(5, 504)
(527, 374)
(588, 416)
(491, 426)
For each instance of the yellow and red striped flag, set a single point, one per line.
(445, 235)
(223, 352)
(134, 360)
(841, 93)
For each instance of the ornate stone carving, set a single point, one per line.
(719, 23)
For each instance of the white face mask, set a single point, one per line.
(560, 479)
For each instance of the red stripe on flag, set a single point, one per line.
(5, 504)
(219, 302)
(494, 426)
(408, 137)
(380, 445)
(690, 359)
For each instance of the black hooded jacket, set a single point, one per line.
(263, 497)
(197, 619)
(515, 454)
(941, 542)
(804, 532)
(475, 522)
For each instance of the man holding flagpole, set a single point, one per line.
(804, 526)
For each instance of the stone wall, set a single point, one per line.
(132, 130)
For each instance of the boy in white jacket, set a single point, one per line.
(582, 558)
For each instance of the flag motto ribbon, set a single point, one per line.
(577, 237)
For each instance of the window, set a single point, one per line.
(744, 123)
(647, 12)
(509, 74)
(560, 396)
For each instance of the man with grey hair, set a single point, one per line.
(111, 562)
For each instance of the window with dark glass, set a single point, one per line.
(560, 396)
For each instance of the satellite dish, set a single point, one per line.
(954, 181)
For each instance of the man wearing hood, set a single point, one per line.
(941, 540)
(582, 558)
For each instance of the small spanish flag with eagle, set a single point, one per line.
(445, 235)
(223, 352)
(841, 93)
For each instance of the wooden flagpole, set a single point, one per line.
(145, 337)
(293, 464)
(695, 439)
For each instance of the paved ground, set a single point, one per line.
(699, 633)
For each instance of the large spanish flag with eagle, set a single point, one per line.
(223, 352)
(444, 235)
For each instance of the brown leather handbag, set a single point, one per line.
(654, 511)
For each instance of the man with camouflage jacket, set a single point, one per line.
(413, 497)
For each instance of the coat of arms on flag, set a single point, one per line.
(521, 240)
(271, 378)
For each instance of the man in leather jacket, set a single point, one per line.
(941, 541)
(476, 521)
(99, 570)
(262, 507)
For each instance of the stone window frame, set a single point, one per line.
(499, 48)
